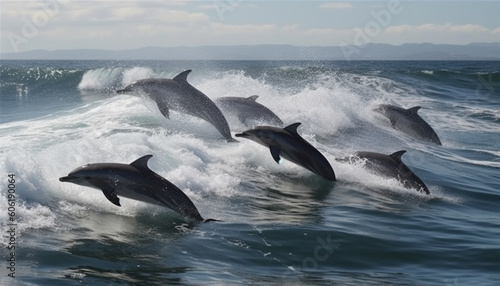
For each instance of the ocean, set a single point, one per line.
(280, 223)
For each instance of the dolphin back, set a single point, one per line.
(310, 157)
(393, 167)
(179, 95)
(198, 104)
(421, 127)
(287, 143)
(409, 122)
(164, 192)
(175, 199)
(248, 110)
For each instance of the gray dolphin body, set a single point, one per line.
(389, 166)
(134, 181)
(409, 122)
(286, 142)
(248, 110)
(177, 94)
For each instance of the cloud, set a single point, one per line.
(439, 33)
(436, 28)
(336, 5)
(134, 24)
(207, 6)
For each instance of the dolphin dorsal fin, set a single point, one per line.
(182, 77)
(397, 155)
(142, 163)
(414, 109)
(253, 97)
(292, 128)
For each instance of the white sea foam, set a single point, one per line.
(98, 79)
(131, 75)
(186, 150)
(112, 78)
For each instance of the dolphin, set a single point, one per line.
(286, 142)
(134, 181)
(177, 94)
(247, 110)
(389, 166)
(409, 122)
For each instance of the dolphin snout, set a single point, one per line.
(120, 91)
(244, 135)
(66, 179)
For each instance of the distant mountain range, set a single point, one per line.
(425, 51)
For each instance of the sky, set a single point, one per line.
(123, 25)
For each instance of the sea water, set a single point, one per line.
(280, 224)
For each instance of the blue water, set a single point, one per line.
(281, 224)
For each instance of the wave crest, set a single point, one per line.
(112, 78)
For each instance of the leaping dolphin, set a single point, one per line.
(389, 166)
(248, 110)
(286, 142)
(177, 94)
(134, 181)
(409, 122)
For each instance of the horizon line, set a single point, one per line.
(249, 45)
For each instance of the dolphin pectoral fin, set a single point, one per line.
(162, 106)
(111, 196)
(396, 156)
(393, 122)
(182, 77)
(275, 152)
(292, 128)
